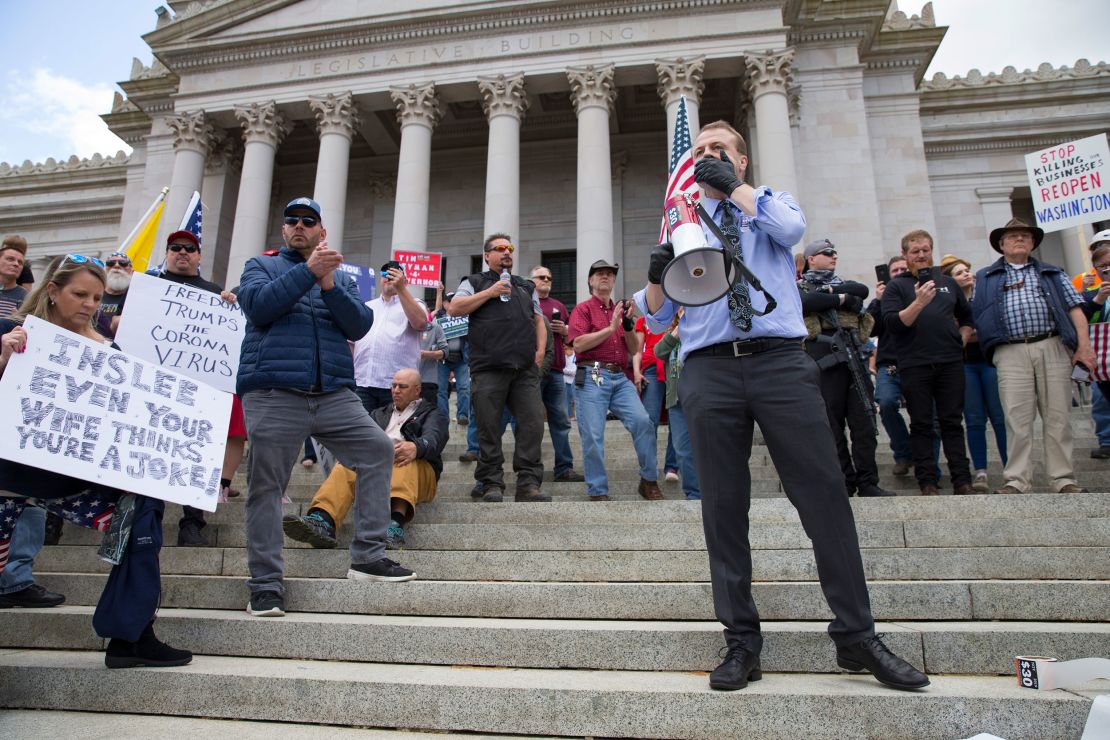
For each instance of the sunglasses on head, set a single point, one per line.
(308, 221)
(187, 248)
(502, 248)
(80, 259)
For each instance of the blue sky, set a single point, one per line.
(62, 58)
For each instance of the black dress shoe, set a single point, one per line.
(148, 651)
(870, 490)
(32, 597)
(873, 656)
(739, 666)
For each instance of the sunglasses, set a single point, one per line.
(545, 278)
(826, 253)
(80, 259)
(502, 248)
(308, 221)
(186, 248)
(118, 263)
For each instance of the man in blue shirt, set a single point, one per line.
(743, 368)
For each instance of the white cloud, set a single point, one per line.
(55, 116)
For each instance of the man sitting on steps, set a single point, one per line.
(419, 433)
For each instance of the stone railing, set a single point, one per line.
(72, 164)
(899, 21)
(1010, 76)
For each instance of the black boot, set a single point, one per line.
(53, 529)
(147, 651)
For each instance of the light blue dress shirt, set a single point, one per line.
(766, 240)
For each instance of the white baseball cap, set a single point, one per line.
(1102, 236)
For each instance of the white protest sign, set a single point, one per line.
(81, 408)
(183, 329)
(1070, 183)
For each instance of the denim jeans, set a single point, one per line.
(1100, 415)
(27, 539)
(617, 394)
(888, 393)
(551, 391)
(654, 396)
(680, 433)
(570, 399)
(462, 387)
(981, 402)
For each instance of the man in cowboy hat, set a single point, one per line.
(1031, 325)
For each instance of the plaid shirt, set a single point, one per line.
(1027, 313)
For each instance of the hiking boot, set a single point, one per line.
(312, 528)
(570, 476)
(53, 528)
(491, 494)
(395, 537)
(266, 604)
(649, 489)
(901, 468)
(380, 570)
(468, 457)
(929, 489)
(190, 535)
(964, 489)
(602, 497)
(147, 651)
(530, 493)
(32, 597)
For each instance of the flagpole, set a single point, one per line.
(142, 221)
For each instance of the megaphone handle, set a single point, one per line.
(731, 253)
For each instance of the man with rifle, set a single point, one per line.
(835, 321)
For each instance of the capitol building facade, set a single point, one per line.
(428, 124)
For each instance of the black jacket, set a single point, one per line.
(426, 428)
(934, 338)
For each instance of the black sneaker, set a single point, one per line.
(190, 535)
(266, 604)
(147, 651)
(32, 597)
(381, 570)
(313, 529)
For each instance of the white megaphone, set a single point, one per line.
(697, 275)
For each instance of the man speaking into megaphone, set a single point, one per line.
(745, 364)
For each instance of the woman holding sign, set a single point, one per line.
(68, 296)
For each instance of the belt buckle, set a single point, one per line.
(737, 352)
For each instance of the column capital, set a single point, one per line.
(191, 131)
(382, 185)
(680, 77)
(416, 104)
(263, 122)
(225, 153)
(770, 71)
(335, 114)
(503, 95)
(592, 86)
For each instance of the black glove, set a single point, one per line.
(852, 303)
(661, 256)
(717, 173)
(628, 324)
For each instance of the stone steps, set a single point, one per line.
(968, 648)
(1020, 600)
(657, 704)
(939, 563)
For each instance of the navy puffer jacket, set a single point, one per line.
(297, 334)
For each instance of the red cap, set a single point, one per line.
(182, 234)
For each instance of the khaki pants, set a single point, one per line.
(1036, 378)
(414, 484)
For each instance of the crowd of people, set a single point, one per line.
(368, 385)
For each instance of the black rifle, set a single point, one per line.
(845, 348)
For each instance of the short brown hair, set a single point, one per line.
(1099, 252)
(16, 242)
(741, 145)
(914, 236)
(895, 258)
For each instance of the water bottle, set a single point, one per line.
(505, 276)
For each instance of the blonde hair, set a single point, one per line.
(61, 272)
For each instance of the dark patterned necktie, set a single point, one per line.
(739, 303)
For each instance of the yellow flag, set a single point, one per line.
(140, 242)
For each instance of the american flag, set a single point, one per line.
(192, 219)
(681, 179)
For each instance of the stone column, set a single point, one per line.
(336, 120)
(680, 77)
(505, 102)
(264, 127)
(769, 76)
(193, 137)
(418, 113)
(593, 95)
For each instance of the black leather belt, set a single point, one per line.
(1034, 338)
(610, 366)
(744, 347)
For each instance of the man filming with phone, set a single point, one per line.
(928, 319)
